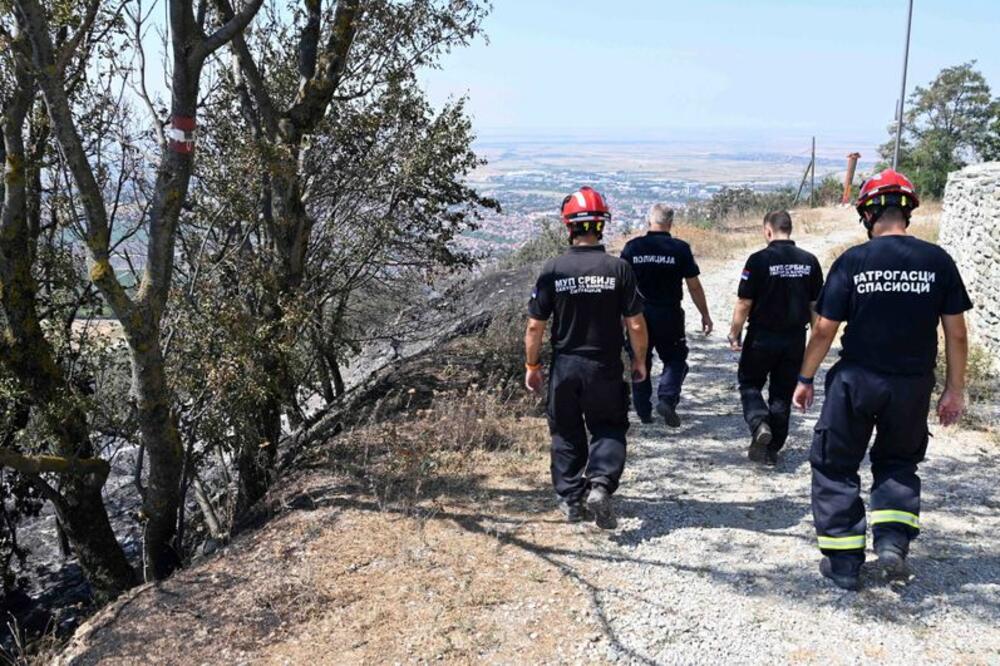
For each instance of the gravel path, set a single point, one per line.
(714, 560)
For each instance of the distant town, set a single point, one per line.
(530, 180)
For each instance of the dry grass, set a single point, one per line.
(740, 235)
(435, 450)
(707, 243)
(925, 225)
(423, 532)
(459, 577)
(716, 244)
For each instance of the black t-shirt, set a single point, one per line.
(586, 292)
(661, 263)
(782, 280)
(892, 292)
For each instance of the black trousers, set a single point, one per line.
(669, 339)
(586, 394)
(774, 356)
(857, 402)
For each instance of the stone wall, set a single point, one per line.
(970, 231)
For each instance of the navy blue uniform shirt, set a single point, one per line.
(892, 291)
(783, 281)
(661, 263)
(586, 292)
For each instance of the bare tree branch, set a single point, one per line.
(72, 44)
(92, 467)
(97, 232)
(232, 27)
(137, 20)
(316, 93)
(250, 75)
(309, 41)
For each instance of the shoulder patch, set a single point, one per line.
(745, 275)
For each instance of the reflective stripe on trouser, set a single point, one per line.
(854, 542)
(857, 403)
(884, 516)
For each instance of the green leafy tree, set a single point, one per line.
(949, 124)
(989, 148)
(352, 186)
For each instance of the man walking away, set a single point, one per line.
(661, 262)
(777, 291)
(587, 293)
(892, 292)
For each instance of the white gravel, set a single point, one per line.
(714, 560)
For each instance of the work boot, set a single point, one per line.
(762, 437)
(771, 458)
(573, 511)
(669, 414)
(844, 572)
(599, 504)
(892, 550)
(645, 418)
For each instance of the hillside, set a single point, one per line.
(460, 556)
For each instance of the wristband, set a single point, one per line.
(533, 366)
(808, 381)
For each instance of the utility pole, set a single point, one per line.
(810, 168)
(902, 94)
(812, 185)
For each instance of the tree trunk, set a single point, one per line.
(338, 377)
(258, 455)
(65, 551)
(162, 441)
(257, 458)
(28, 355)
(140, 317)
(325, 380)
(289, 223)
(207, 510)
(85, 521)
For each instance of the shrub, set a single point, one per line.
(982, 383)
(550, 242)
(501, 344)
(736, 202)
(829, 191)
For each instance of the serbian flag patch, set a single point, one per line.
(745, 275)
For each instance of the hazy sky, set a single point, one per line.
(724, 68)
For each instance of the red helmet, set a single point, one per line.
(889, 188)
(586, 210)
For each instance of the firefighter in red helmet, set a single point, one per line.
(892, 291)
(587, 294)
